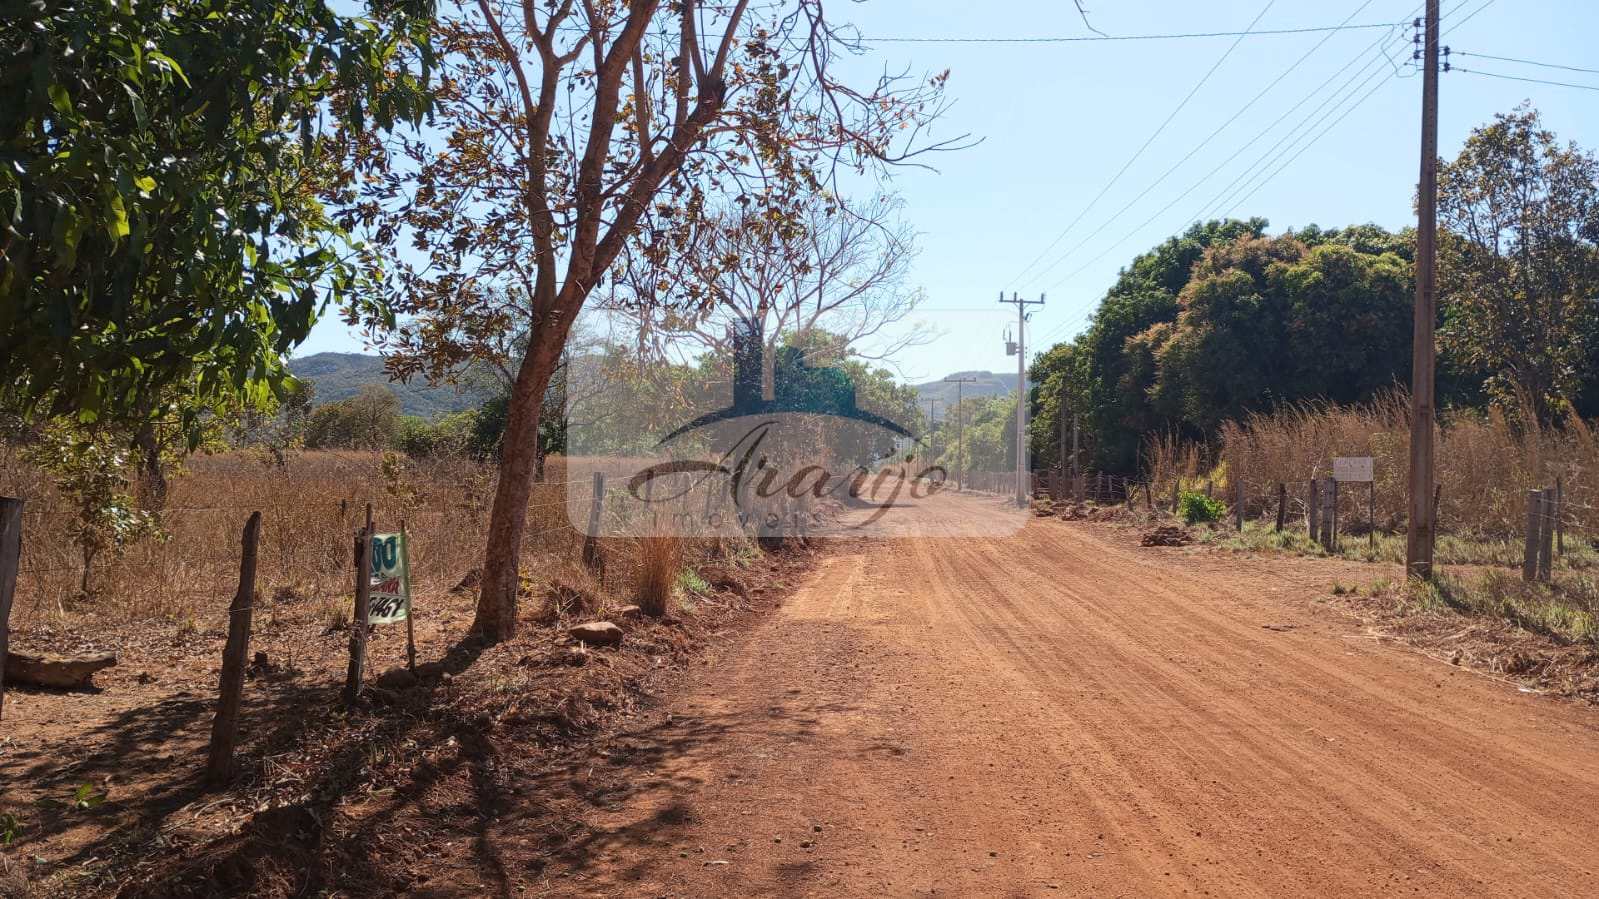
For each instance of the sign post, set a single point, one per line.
(1357, 469)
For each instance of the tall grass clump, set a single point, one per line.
(660, 558)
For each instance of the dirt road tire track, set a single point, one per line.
(1060, 713)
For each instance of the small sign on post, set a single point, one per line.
(1359, 469)
(1352, 468)
(389, 600)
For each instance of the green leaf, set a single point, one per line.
(115, 216)
(60, 99)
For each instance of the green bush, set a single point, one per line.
(1197, 507)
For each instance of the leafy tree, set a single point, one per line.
(1224, 321)
(978, 435)
(1519, 264)
(1107, 384)
(1266, 321)
(577, 141)
(280, 430)
(370, 420)
(94, 472)
(162, 239)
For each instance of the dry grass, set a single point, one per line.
(660, 558)
(1486, 462)
(310, 511)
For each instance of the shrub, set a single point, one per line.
(368, 420)
(1197, 507)
(448, 437)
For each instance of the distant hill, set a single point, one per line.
(988, 383)
(338, 376)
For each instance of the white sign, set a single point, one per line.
(390, 594)
(1352, 468)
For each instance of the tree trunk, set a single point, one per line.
(152, 480)
(496, 605)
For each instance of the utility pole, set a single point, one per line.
(1420, 534)
(960, 440)
(1023, 476)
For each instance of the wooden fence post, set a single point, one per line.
(1313, 508)
(1546, 533)
(1371, 513)
(1529, 548)
(591, 546)
(410, 613)
(1238, 503)
(1560, 516)
(10, 561)
(363, 588)
(1176, 490)
(1282, 505)
(1149, 498)
(1332, 514)
(225, 727)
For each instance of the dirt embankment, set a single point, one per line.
(397, 797)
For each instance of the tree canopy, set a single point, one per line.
(162, 225)
(1224, 320)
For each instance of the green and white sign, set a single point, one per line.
(390, 595)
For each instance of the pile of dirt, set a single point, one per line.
(1167, 535)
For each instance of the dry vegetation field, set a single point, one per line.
(1486, 462)
(102, 787)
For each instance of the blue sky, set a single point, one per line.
(1060, 120)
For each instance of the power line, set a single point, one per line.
(1525, 62)
(1339, 97)
(1198, 147)
(1269, 32)
(1140, 152)
(1583, 87)
(1256, 189)
(1286, 144)
(1262, 163)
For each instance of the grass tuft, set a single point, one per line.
(660, 558)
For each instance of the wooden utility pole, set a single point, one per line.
(10, 562)
(1422, 525)
(960, 437)
(1023, 477)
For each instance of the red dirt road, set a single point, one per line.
(1062, 713)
